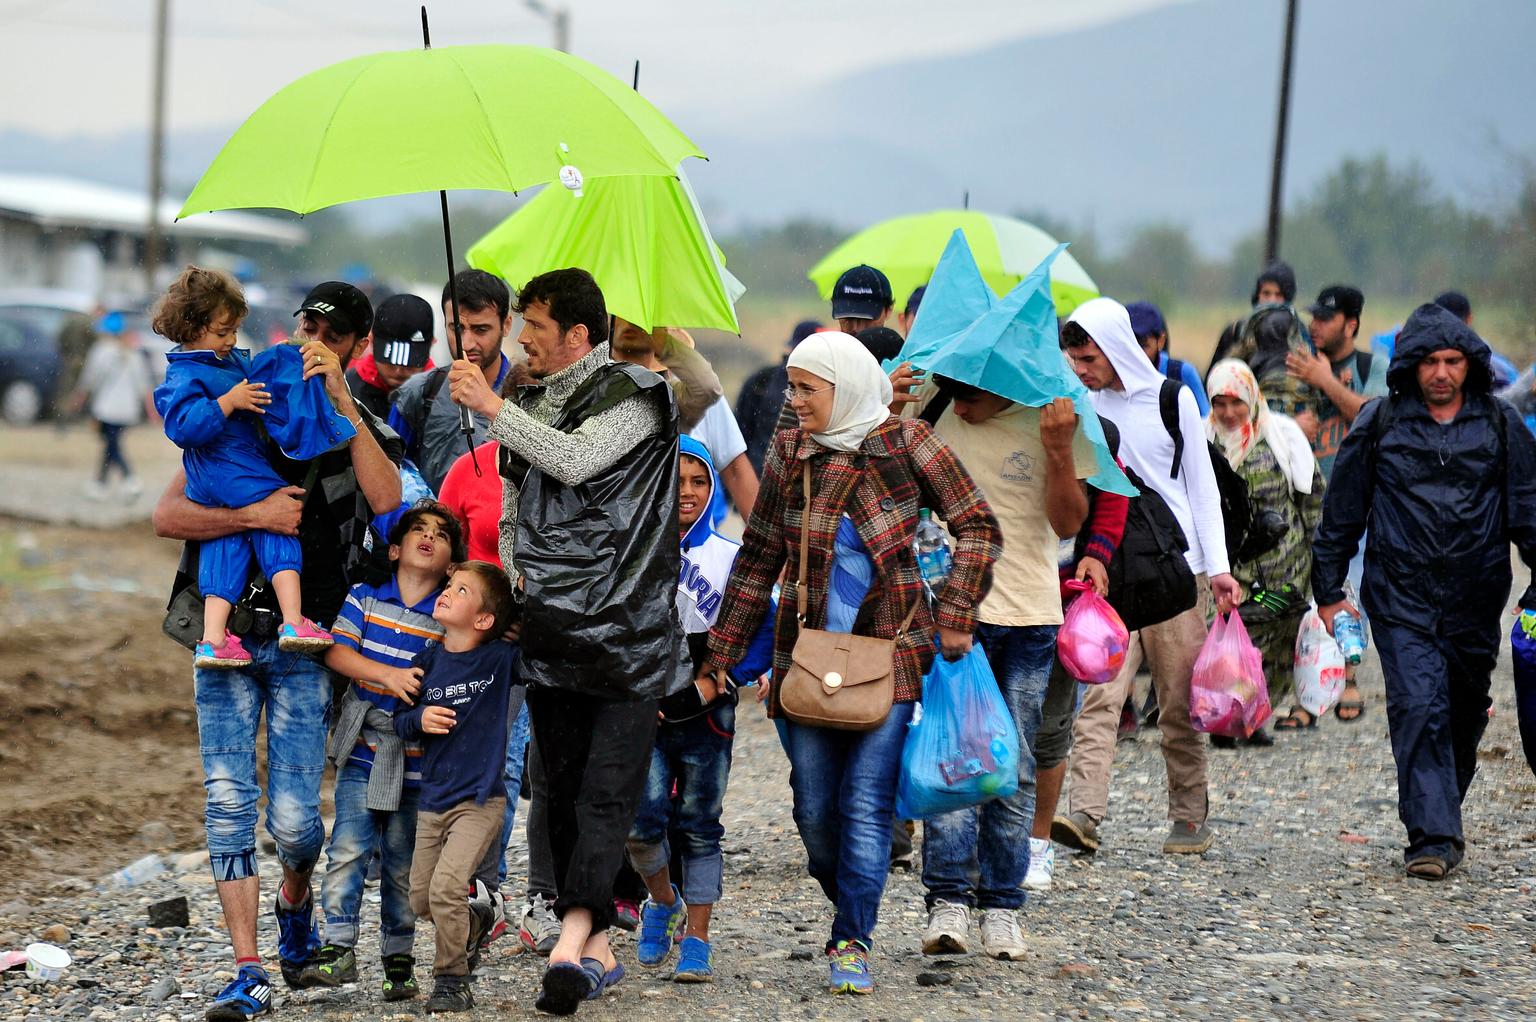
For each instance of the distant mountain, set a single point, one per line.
(1164, 116)
(1167, 115)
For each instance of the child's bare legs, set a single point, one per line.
(216, 612)
(289, 597)
(659, 885)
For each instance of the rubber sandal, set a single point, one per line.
(1428, 867)
(564, 986)
(1350, 704)
(1291, 722)
(601, 981)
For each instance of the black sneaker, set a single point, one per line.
(482, 917)
(331, 966)
(451, 993)
(400, 978)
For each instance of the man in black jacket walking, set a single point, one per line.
(1445, 477)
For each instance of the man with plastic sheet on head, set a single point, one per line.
(1445, 477)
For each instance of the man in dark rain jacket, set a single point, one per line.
(1444, 476)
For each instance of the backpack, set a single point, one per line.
(1264, 339)
(1149, 580)
(1236, 513)
(1175, 369)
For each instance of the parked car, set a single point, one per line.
(29, 366)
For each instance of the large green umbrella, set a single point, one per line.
(907, 248)
(643, 238)
(491, 117)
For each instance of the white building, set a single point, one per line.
(60, 232)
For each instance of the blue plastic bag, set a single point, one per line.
(1523, 645)
(963, 749)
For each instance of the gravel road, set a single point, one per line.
(1300, 910)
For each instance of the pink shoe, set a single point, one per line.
(226, 655)
(306, 637)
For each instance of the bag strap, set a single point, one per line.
(1168, 407)
(801, 599)
(1363, 368)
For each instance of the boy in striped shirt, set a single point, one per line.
(378, 776)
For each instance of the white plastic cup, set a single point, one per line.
(46, 962)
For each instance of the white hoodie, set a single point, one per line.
(1144, 441)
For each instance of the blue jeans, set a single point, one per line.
(696, 755)
(517, 745)
(295, 692)
(991, 842)
(356, 835)
(844, 786)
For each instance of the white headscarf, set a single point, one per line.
(1232, 378)
(863, 395)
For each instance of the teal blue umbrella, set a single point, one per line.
(1006, 346)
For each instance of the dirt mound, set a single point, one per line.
(99, 737)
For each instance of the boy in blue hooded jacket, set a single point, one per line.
(219, 407)
(692, 752)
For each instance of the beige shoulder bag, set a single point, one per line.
(837, 679)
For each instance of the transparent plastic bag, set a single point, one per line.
(963, 749)
(1227, 694)
(1092, 642)
(1319, 675)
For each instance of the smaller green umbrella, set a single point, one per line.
(642, 238)
(907, 248)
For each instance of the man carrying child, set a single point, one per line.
(293, 689)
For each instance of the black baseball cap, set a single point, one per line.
(1336, 299)
(402, 332)
(861, 293)
(345, 307)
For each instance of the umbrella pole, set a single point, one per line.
(466, 424)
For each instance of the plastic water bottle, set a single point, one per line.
(1349, 633)
(136, 872)
(932, 549)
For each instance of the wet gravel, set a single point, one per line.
(1300, 910)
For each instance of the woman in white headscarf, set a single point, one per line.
(870, 473)
(1285, 491)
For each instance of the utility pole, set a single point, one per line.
(559, 20)
(152, 236)
(1277, 172)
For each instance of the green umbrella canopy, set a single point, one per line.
(907, 248)
(492, 117)
(643, 238)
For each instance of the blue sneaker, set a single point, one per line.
(849, 964)
(695, 963)
(658, 926)
(248, 995)
(297, 940)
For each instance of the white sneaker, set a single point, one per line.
(1000, 935)
(1042, 863)
(539, 928)
(131, 487)
(949, 929)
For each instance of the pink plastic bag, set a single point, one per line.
(1092, 642)
(1228, 695)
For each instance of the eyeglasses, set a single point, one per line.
(803, 393)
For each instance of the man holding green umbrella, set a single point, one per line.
(601, 639)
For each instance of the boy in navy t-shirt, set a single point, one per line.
(379, 632)
(462, 721)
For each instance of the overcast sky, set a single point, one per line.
(70, 67)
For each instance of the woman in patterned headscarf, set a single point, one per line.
(1285, 490)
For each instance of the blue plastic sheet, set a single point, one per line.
(964, 749)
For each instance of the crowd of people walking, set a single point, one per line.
(503, 578)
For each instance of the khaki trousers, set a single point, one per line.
(449, 845)
(1170, 649)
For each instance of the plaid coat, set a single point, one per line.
(901, 467)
